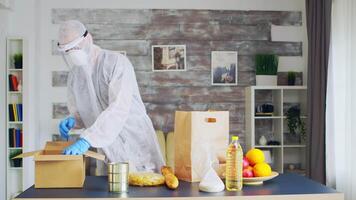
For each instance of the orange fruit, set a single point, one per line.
(255, 156)
(262, 169)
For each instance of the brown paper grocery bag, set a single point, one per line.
(197, 134)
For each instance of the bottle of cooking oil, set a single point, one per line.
(234, 156)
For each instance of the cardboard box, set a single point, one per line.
(55, 170)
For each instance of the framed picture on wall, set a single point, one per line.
(169, 58)
(224, 68)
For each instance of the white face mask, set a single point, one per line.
(76, 58)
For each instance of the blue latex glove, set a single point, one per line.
(65, 126)
(78, 148)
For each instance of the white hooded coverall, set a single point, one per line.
(104, 99)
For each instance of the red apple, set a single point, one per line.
(245, 163)
(247, 173)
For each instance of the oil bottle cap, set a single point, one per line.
(234, 138)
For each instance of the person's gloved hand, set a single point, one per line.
(78, 148)
(65, 126)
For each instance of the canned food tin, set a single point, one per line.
(118, 177)
(118, 168)
(118, 187)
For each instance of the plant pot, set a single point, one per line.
(18, 64)
(291, 81)
(17, 163)
(267, 80)
(290, 138)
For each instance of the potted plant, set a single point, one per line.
(266, 69)
(15, 162)
(291, 78)
(18, 60)
(295, 124)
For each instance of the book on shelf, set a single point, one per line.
(13, 82)
(19, 111)
(14, 109)
(15, 112)
(15, 137)
(11, 114)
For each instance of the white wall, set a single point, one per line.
(47, 32)
(3, 157)
(33, 19)
(21, 22)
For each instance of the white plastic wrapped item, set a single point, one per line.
(211, 182)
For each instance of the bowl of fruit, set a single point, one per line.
(255, 170)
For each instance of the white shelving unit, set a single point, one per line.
(287, 153)
(14, 178)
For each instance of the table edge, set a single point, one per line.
(321, 196)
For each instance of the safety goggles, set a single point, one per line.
(71, 45)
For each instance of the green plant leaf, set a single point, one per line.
(266, 64)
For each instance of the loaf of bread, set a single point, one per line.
(170, 179)
(146, 179)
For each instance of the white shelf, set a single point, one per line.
(11, 122)
(15, 70)
(15, 168)
(279, 87)
(301, 117)
(15, 92)
(15, 148)
(14, 178)
(268, 146)
(294, 146)
(281, 97)
(268, 117)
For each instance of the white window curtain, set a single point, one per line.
(341, 100)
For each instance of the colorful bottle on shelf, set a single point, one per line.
(234, 156)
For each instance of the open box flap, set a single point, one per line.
(95, 155)
(57, 146)
(60, 157)
(57, 157)
(27, 154)
(53, 151)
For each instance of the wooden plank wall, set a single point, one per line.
(202, 31)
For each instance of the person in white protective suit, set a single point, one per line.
(104, 100)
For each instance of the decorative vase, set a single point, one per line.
(291, 167)
(267, 80)
(262, 141)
